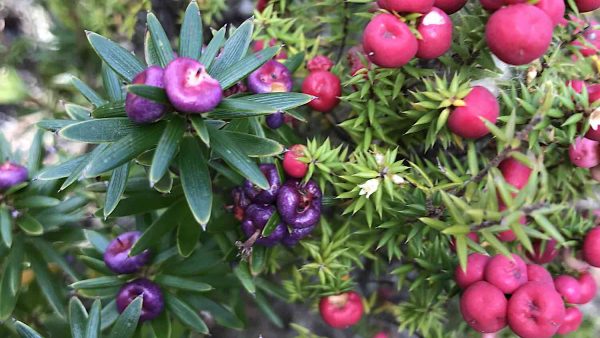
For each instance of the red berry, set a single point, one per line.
(519, 34)
(569, 288)
(403, 6)
(587, 5)
(592, 42)
(388, 42)
(584, 153)
(483, 307)
(538, 273)
(327, 88)
(382, 334)
(436, 34)
(591, 247)
(515, 173)
(589, 288)
(541, 254)
(341, 311)
(450, 6)
(535, 310)
(555, 9)
(509, 235)
(492, 5)
(466, 121)
(319, 62)
(577, 85)
(505, 273)
(476, 264)
(292, 166)
(572, 321)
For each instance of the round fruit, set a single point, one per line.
(507, 236)
(538, 273)
(483, 307)
(12, 174)
(326, 87)
(588, 287)
(341, 311)
(585, 153)
(319, 62)
(270, 77)
(257, 216)
(388, 42)
(466, 121)
(505, 273)
(519, 34)
(555, 9)
(260, 196)
(591, 46)
(299, 204)
(403, 6)
(152, 298)
(275, 120)
(140, 109)
(587, 5)
(190, 88)
(535, 310)
(492, 5)
(591, 247)
(476, 264)
(436, 34)
(572, 321)
(577, 85)
(292, 166)
(292, 236)
(569, 288)
(543, 252)
(450, 6)
(117, 258)
(515, 172)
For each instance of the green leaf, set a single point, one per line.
(34, 158)
(112, 83)
(77, 112)
(158, 229)
(548, 227)
(77, 318)
(11, 279)
(88, 92)
(92, 329)
(235, 48)
(255, 146)
(109, 314)
(188, 233)
(185, 314)
(111, 109)
(124, 150)
(160, 40)
(265, 307)
(98, 241)
(223, 315)
(166, 149)
(271, 224)
(77, 171)
(153, 93)
(51, 255)
(150, 52)
(294, 62)
(162, 326)
(6, 226)
(54, 125)
(190, 38)
(116, 57)
(128, 320)
(116, 188)
(242, 272)
(98, 282)
(213, 48)
(280, 101)
(236, 158)
(47, 282)
(25, 331)
(143, 202)
(99, 130)
(195, 179)
(30, 225)
(235, 108)
(200, 127)
(238, 71)
(37, 202)
(182, 283)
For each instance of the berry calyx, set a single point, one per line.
(535, 310)
(292, 165)
(466, 121)
(435, 28)
(483, 295)
(326, 87)
(12, 174)
(585, 153)
(140, 109)
(388, 42)
(476, 264)
(270, 78)
(190, 88)
(152, 303)
(507, 274)
(117, 258)
(341, 311)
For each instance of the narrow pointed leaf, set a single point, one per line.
(153, 93)
(158, 229)
(47, 282)
(116, 188)
(166, 149)
(238, 71)
(25, 331)
(127, 322)
(201, 129)
(182, 283)
(6, 227)
(92, 330)
(160, 40)
(30, 225)
(213, 48)
(116, 57)
(185, 314)
(99, 130)
(88, 92)
(77, 318)
(111, 109)
(255, 146)
(195, 179)
(112, 83)
(190, 40)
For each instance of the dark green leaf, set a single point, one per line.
(190, 39)
(111, 109)
(54, 125)
(92, 329)
(195, 179)
(11, 279)
(201, 129)
(238, 71)
(143, 202)
(223, 315)
(271, 224)
(88, 92)
(235, 108)
(160, 40)
(128, 320)
(235, 48)
(253, 145)
(112, 83)
(280, 101)
(30, 225)
(46, 282)
(78, 170)
(156, 94)
(109, 314)
(294, 62)
(77, 318)
(158, 229)
(97, 240)
(265, 307)
(116, 188)
(97, 283)
(188, 233)
(242, 272)
(77, 112)
(25, 331)
(166, 149)
(150, 51)
(37, 202)
(116, 57)
(213, 48)
(6, 226)
(185, 314)
(34, 158)
(182, 283)
(162, 326)
(99, 130)
(51, 255)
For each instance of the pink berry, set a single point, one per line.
(326, 87)
(554, 8)
(270, 77)
(435, 28)
(537, 273)
(541, 254)
(480, 296)
(341, 311)
(190, 88)
(569, 288)
(515, 172)
(572, 321)
(587, 5)
(584, 153)
(450, 6)
(292, 166)
(588, 286)
(591, 247)
(388, 42)
(505, 273)
(535, 310)
(476, 264)
(466, 121)
(403, 6)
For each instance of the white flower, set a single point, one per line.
(397, 179)
(594, 119)
(379, 158)
(369, 187)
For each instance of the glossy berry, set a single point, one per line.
(535, 310)
(12, 174)
(117, 258)
(476, 264)
(142, 110)
(587, 5)
(538, 273)
(292, 165)
(519, 34)
(190, 88)
(585, 153)
(466, 121)
(240, 203)
(292, 236)
(450, 6)
(326, 87)
(569, 288)
(270, 78)
(591, 247)
(258, 195)
(435, 28)
(555, 9)
(341, 311)
(299, 204)
(483, 307)
(388, 42)
(256, 217)
(572, 321)
(403, 6)
(543, 252)
(275, 120)
(515, 172)
(505, 273)
(152, 303)
(588, 288)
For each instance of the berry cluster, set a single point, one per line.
(118, 259)
(297, 203)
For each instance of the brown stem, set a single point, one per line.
(246, 247)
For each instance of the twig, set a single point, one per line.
(344, 33)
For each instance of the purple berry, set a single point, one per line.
(299, 205)
(116, 256)
(275, 120)
(270, 77)
(142, 110)
(12, 174)
(190, 88)
(294, 236)
(260, 196)
(238, 88)
(152, 303)
(257, 217)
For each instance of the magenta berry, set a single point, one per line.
(256, 218)
(572, 321)
(152, 303)
(12, 174)
(190, 88)
(388, 42)
(569, 288)
(476, 264)
(258, 195)
(270, 77)
(588, 288)
(435, 28)
(117, 258)
(294, 235)
(554, 8)
(466, 121)
(483, 295)
(326, 87)
(535, 310)
(587, 5)
(292, 165)
(514, 172)
(585, 153)
(507, 274)
(450, 6)
(403, 6)
(142, 110)
(319, 62)
(537, 273)
(299, 204)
